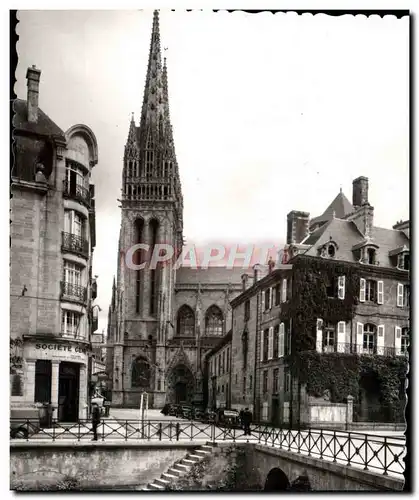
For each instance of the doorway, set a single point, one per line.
(275, 411)
(180, 392)
(68, 392)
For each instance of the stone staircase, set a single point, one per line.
(180, 468)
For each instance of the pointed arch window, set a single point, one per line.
(140, 373)
(214, 322)
(185, 322)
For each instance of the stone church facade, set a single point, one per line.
(162, 322)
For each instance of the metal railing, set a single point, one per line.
(76, 192)
(380, 454)
(76, 244)
(348, 348)
(73, 292)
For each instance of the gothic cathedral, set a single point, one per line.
(162, 322)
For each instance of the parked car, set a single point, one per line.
(173, 410)
(185, 411)
(209, 416)
(230, 418)
(23, 423)
(199, 414)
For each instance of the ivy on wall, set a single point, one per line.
(342, 375)
(311, 277)
(16, 359)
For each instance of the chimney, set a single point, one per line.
(33, 75)
(297, 226)
(360, 192)
(256, 273)
(245, 282)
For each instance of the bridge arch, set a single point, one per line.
(276, 480)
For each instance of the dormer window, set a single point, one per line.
(371, 256)
(331, 250)
(404, 261)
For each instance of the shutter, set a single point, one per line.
(67, 221)
(263, 300)
(270, 342)
(380, 292)
(271, 298)
(362, 284)
(380, 340)
(359, 337)
(284, 290)
(261, 345)
(281, 340)
(319, 335)
(341, 287)
(400, 290)
(397, 340)
(341, 336)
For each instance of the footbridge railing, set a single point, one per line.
(380, 454)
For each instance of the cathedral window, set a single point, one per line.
(140, 373)
(154, 226)
(185, 322)
(214, 322)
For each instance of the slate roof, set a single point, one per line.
(44, 126)
(212, 275)
(346, 235)
(340, 206)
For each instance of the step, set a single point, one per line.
(169, 477)
(176, 472)
(182, 467)
(202, 452)
(205, 447)
(162, 482)
(186, 461)
(154, 486)
(194, 458)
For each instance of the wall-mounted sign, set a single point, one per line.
(62, 347)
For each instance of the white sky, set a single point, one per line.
(270, 112)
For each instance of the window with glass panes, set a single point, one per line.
(276, 339)
(329, 337)
(370, 338)
(72, 273)
(405, 339)
(265, 381)
(70, 322)
(276, 381)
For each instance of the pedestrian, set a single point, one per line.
(241, 418)
(247, 419)
(95, 420)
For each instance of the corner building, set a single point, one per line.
(52, 241)
(161, 322)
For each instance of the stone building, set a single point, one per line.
(52, 239)
(162, 322)
(339, 306)
(218, 375)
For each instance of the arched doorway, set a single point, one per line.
(276, 480)
(180, 385)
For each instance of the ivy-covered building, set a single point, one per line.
(331, 322)
(52, 238)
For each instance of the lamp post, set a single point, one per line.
(90, 359)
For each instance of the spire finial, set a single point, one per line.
(341, 189)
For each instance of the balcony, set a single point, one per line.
(76, 192)
(75, 244)
(73, 293)
(346, 348)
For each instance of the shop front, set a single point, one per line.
(56, 373)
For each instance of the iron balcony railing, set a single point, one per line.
(75, 244)
(73, 292)
(76, 192)
(347, 348)
(383, 455)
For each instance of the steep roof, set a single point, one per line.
(44, 126)
(340, 206)
(212, 275)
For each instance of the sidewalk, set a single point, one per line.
(135, 414)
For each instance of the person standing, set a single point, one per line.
(95, 420)
(247, 420)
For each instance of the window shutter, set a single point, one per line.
(341, 334)
(271, 298)
(380, 292)
(380, 339)
(281, 340)
(263, 300)
(400, 290)
(284, 290)
(261, 345)
(362, 284)
(270, 342)
(397, 340)
(341, 287)
(67, 221)
(359, 337)
(319, 335)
